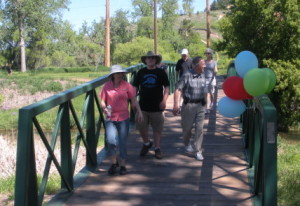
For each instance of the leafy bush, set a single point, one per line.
(286, 94)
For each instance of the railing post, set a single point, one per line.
(66, 150)
(26, 179)
(270, 155)
(90, 129)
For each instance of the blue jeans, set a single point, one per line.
(116, 136)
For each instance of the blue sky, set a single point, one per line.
(89, 10)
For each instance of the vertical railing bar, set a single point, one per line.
(49, 149)
(101, 117)
(79, 136)
(66, 146)
(90, 129)
(43, 184)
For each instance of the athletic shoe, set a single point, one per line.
(123, 170)
(199, 156)
(112, 170)
(189, 149)
(145, 149)
(158, 153)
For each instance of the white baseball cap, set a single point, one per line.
(184, 51)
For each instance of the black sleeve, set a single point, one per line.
(165, 79)
(136, 81)
(178, 65)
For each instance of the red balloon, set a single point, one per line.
(234, 88)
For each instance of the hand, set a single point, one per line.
(162, 105)
(175, 110)
(140, 116)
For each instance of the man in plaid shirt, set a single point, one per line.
(191, 86)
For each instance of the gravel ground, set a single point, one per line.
(15, 99)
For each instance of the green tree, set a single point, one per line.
(187, 6)
(168, 8)
(130, 53)
(268, 28)
(29, 18)
(121, 29)
(142, 8)
(145, 27)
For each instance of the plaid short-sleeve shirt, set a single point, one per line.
(192, 85)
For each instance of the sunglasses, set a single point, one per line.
(207, 53)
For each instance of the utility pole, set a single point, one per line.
(155, 27)
(107, 36)
(207, 24)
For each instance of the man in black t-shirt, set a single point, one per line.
(183, 64)
(153, 86)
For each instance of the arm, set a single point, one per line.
(103, 106)
(136, 106)
(177, 94)
(163, 103)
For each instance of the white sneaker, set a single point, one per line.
(199, 156)
(189, 149)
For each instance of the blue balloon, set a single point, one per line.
(231, 108)
(244, 62)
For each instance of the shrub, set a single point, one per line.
(286, 94)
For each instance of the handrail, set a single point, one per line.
(259, 126)
(27, 191)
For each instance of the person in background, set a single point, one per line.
(153, 86)
(162, 66)
(191, 86)
(210, 76)
(114, 101)
(184, 63)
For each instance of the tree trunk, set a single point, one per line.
(22, 44)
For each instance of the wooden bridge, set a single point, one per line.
(239, 166)
(177, 179)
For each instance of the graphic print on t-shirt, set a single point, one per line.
(149, 81)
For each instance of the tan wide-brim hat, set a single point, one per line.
(151, 54)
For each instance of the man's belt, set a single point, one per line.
(195, 101)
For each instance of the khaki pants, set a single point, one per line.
(193, 113)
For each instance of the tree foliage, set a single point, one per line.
(142, 8)
(271, 30)
(268, 28)
(286, 94)
(187, 6)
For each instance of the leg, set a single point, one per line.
(199, 129)
(142, 127)
(111, 139)
(157, 124)
(123, 130)
(187, 121)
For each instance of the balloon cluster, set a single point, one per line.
(251, 82)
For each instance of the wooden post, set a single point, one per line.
(207, 24)
(107, 36)
(155, 27)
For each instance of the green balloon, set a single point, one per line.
(256, 82)
(272, 79)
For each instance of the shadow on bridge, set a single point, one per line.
(178, 179)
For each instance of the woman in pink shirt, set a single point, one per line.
(115, 95)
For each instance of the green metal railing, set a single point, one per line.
(27, 190)
(259, 124)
